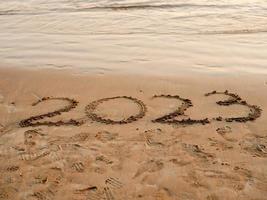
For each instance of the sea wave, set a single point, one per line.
(113, 7)
(237, 31)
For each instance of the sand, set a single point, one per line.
(64, 137)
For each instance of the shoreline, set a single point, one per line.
(194, 70)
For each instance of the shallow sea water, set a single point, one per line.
(135, 36)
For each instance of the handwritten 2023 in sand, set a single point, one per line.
(233, 99)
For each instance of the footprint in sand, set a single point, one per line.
(220, 145)
(194, 179)
(224, 132)
(105, 136)
(34, 155)
(12, 168)
(80, 137)
(36, 145)
(78, 166)
(40, 179)
(28, 150)
(154, 138)
(10, 173)
(112, 188)
(115, 183)
(75, 161)
(46, 183)
(108, 194)
(255, 145)
(109, 190)
(103, 159)
(197, 151)
(35, 138)
(39, 150)
(223, 178)
(149, 166)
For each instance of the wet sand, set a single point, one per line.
(66, 135)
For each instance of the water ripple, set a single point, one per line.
(114, 7)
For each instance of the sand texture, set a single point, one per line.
(74, 137)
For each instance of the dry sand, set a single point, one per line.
(137, 160)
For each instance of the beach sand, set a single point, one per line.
(124, 148)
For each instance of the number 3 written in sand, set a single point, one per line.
(234, 99)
